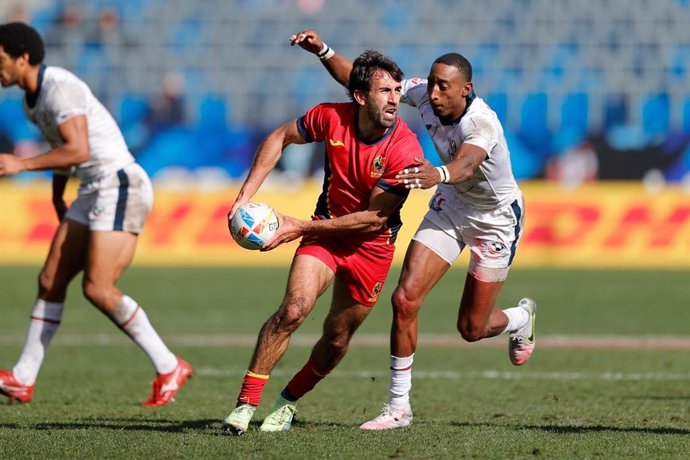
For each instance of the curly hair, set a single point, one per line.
(364, 68)
(18, 39)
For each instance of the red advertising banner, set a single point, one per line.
(601, 225)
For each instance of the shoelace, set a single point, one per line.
(386, 412)
(286, 412)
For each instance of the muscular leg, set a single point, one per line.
(344, 318)
(422, 269)
(109, 255)
(309, 278)
(65, 259)
(478, 316)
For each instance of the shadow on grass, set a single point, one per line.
(581, 429)
(212, 427)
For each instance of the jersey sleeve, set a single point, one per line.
(67, 101)
(481, 132)
(413, 90)
(402, 156)
(312, 125)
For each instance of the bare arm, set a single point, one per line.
(338, 66)
(266, 158)
(74, 151)
(381, 205)
(425, 175)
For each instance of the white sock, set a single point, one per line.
(517, 318)
(133, 320)
(45, 320)
(401, 381)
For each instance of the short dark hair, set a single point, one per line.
(17, 38)
(364, 68)
(458, 61)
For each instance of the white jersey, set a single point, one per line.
(492, 184)
(61, 96)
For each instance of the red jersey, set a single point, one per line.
(353, 166)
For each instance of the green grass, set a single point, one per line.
(469, 401)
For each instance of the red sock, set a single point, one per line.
(252, 388)
(305, 380)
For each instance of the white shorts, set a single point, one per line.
(492, 235)
(118, 202)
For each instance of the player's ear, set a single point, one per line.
(467, 89)
(359, 97)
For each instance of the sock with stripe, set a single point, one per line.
(132, 319)
(252, 388)
(401, 381)
(304, 381)
(45, 320)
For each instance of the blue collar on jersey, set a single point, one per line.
(469, 98)
(31, 99)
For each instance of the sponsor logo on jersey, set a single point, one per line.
(377, 166)
(336, 143)
(375, 292)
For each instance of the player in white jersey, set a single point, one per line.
(477, 204)
(98, 233)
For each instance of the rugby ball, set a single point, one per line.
(253, 225)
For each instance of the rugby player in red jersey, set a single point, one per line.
(350, 240)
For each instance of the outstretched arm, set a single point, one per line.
(462, 168)
(338, 66)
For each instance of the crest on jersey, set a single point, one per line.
(453, 147)
(377, 166)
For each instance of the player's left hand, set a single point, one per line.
(9, 164)
(308, 39)
(289, 229)
(422, 175)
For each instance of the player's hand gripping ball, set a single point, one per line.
(253, 225)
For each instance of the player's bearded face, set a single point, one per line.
(383, 100)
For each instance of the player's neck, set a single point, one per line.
(29, 81)
(369, 131)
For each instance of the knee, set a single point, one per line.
(290, 315)
(405, 306)
(336, 343)
(472, 331)
(94, 293)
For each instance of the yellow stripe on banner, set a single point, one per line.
(616, 225)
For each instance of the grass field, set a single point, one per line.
(609, 379)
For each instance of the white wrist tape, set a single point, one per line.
(443, 172)
(326, 52)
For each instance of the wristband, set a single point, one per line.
(326, 52)
(443, 172)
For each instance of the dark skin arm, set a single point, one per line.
(74, 151)
(461, 169)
